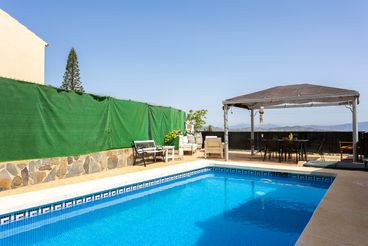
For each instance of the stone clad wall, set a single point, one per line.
(21, 173)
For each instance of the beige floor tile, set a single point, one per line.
(310, 240)
(347, 226)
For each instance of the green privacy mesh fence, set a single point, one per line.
(162, 120)
(39, 121)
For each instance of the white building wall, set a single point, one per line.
(22, 53)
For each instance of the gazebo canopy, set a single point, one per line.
(294, 95)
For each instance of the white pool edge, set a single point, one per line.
(19, 202)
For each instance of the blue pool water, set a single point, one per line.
(211, 208)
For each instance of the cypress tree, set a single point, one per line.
(71, 79)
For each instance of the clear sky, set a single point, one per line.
(193, 54)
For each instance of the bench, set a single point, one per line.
(147, 147)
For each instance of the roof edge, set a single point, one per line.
(321, 96)
(24, 27)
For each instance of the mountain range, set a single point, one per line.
(362, 126)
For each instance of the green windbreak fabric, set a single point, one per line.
(72, 123)
(159, 123)
(129, 122)
(177, 120)
(162, 120)
(183, 118)
(18, 120)
(39, 121)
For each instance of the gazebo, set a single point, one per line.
(293, 96)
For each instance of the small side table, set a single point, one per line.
(167, 154)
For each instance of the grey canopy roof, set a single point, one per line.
(294, 95)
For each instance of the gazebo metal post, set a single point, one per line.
(226, 131)
(252, 131)
(355, 130)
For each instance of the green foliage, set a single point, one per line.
(171, 136)
(71, 79)
(198, 118)
(209, 128)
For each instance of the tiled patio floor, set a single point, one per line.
(340, 219)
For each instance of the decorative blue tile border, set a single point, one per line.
(305, 177)
(33, 212)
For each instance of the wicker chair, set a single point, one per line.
(213, 146)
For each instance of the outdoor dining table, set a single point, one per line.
(285, 148)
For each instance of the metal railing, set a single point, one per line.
(241, 140)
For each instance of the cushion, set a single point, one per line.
(191, 139)
(320, 164)
(185, 139)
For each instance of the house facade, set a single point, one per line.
(22, 53)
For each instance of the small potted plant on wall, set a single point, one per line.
(172, 138)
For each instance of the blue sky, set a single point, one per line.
(193, 54)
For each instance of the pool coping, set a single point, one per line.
(317, 231)
(23, 201)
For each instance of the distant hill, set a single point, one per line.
(362, 126)
(244, 126)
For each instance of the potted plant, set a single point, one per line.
(172, 138)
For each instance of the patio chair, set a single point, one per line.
(147, 147)
(187, 146)
(213, 146)
(272, 148)
(191, 139)
(199, 140)
(345, 146)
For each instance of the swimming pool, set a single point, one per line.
(208, 206)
